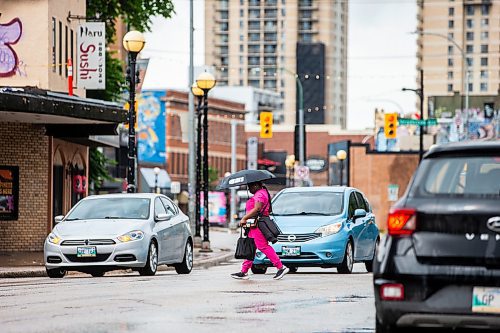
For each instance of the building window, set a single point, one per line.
(450, 49)
(484, 35)
(471, 86)
(484, 86)
(450, 87)
(242, 13)
(484, 74)
(450, 35)
(470, 35)
(484, 61)
(242, 48)
(469, 62)
(60, 64)
(450, 75)
(72, 45)
(469, 9)
(450, 62)
(485, 9)
(484, 48)
(241, 60)
(242, 24)
(469, 48)
(241, 38)
(450, 24)
(54, 38)
(470, 23)
(485, 22)
(451, 11)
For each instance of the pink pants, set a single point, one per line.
(263, 245)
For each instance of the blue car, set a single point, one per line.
(324, 226)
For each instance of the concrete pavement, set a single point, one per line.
(31, 264)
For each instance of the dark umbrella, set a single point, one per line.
(244, 177)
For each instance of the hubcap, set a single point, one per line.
(189, 255)
(349, 256)
(153, 258)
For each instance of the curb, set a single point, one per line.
(205, 263)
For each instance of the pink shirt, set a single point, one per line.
(259, 196)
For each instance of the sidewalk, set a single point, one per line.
(31, 264)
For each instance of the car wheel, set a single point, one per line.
(369, 263)
(380, 328)
(346, 265)
(186, 265)
(55, 273)
(293, 269)
(152, 261)
(259, 269)
(97, 273)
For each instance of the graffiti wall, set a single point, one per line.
(10, 33)
(151, 127)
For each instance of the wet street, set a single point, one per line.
(207, 300)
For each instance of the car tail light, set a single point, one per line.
(401, 221)
(392, 292)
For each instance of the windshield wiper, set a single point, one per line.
(73, 219)
(112, 217)
(303, 213)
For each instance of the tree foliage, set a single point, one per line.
(98, 172)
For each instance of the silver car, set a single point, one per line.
(116, 231)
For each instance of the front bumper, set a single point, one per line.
(132, 254)
(320, 252)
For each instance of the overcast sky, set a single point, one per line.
(380, 49)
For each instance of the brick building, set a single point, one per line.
(44, 133)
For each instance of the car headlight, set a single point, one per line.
(131, 236)
(330, 229)
(52, 238)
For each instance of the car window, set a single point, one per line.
(462, 176)
(169, 206)
(110, 208)
(361, 201)
(308, 203)
(353, 204)
(159, 208)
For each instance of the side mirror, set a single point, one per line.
(162, 217)
(359, 213)
(58, 219)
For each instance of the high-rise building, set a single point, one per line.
(260, 43)
(456, 37)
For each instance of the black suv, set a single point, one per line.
(439, 265)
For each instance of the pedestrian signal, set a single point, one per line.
(266, 125)
(390, 125)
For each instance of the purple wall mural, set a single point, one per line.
(10, 33)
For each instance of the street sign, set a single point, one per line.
(175, 187)
(252, 153)
(302, 172)
(417, 122)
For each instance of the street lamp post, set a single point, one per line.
(420, 93)
(341, 156)
(133, 42)
(205, 82)
(156, 170)
(198, 93)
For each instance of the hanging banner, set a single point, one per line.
(91, 63)
(9, 192)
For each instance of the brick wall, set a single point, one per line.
(372, 173)
(26, 146)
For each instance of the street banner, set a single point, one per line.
(9, 192)
(91, 60)
(151, 144)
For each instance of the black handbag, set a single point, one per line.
(245, 248)
(268, 226)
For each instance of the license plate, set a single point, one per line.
(290, 251)
(486, 300)
(88, 251)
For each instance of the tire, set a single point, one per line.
(259, 269)
(369, 263)
(151, 262)
(55, 273)
(380, 328)
(97, 273)
(293, 269)
(186, 265)
(348, 262)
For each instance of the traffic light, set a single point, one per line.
(266, 125)
(390, 125)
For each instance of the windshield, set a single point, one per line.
(308, 203)
(110, 208)
(463, 176)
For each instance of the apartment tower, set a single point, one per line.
(455, 36)
(263, 43)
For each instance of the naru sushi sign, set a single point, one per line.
(91, 63)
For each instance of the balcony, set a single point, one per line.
(253, 50)
(271, 3)
(270, 50)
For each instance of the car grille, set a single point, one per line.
(75, 242)
(303, 256)
(98, 258)
(299, 238)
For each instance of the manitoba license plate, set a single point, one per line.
(87, 251)
(486, 300)
(290, 251)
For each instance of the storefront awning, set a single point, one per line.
(148, 177)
